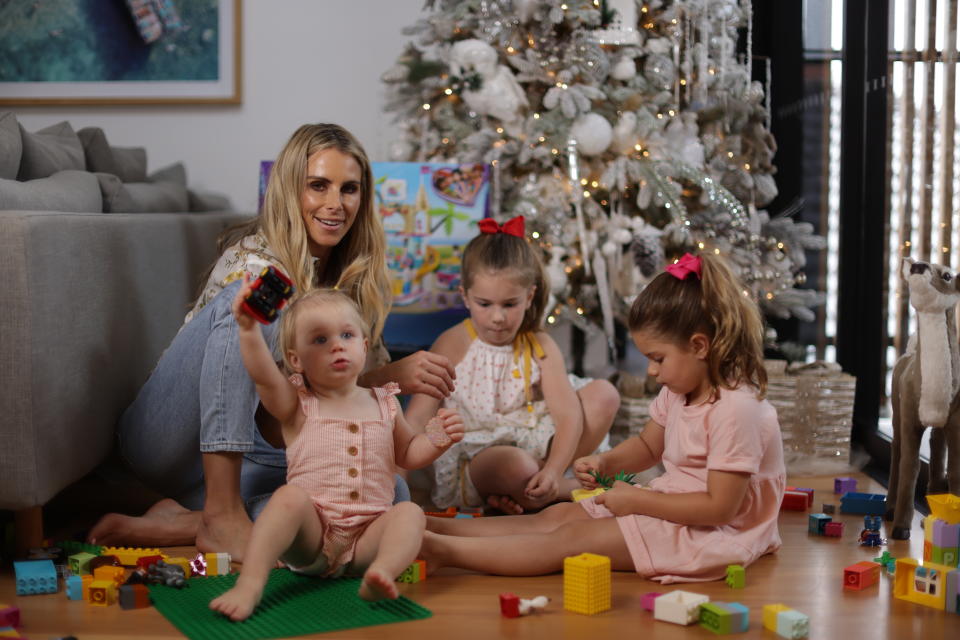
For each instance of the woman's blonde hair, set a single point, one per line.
(323, 298)
(718, 306)
(357, 264)
(491, 252)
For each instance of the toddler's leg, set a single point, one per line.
(288, 527)
(540, 522)
(600, 401)
(387, 547)
(505, 471)
(529, 554)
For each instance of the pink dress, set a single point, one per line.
(347, 467)
(736, 433)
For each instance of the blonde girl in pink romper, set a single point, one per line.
(526, 420)
(719, 441)
(335, 514)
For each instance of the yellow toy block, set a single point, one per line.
(110, 572)
(583, 494)
(85, 581)
(102, 593)
(128, 556)
(218, 564)
(183, 563)
(9, 632)
(586, 583)
(770, 612)
(945, 506)
(921, 582)
(928, 528)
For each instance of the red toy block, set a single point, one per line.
(134, 596)
(833, 529)
(144, 562)
(509, 605)
(794, 501)
(807, 491)
(9, 615)
(861, 575)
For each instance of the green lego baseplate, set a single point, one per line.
(292, 605)
(71, 547)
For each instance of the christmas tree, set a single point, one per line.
(626, 132)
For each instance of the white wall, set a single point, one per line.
(303, 61)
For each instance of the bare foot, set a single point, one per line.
(505, 504)
(378, 586)
(224, 532)
(238, 603)
(166, 523)
(429, 551)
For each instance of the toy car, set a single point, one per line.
(270, 292)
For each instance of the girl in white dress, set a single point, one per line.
(525, 419)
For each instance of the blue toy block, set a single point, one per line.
(844, 485)
(816, 522)
(872, 523)
(74, 588)
(35, 576)
(863, 503)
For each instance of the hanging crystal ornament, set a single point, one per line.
(603, 291)
(748, 14)
(622, 28)
(573, 161)
(495, 194)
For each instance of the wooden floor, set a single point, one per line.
(805, 575)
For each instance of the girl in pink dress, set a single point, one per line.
(719, 441)
(335, 514)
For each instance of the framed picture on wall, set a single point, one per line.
(68, 52)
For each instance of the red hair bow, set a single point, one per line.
(512, 227)
(685, 266)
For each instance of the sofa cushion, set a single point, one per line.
(63, 191)
(200, 201)
(55, 148)
(174, 173)
(141, 197)
(127, 163)
(11, 146)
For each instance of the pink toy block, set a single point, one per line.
(647, 600)
(9, 615)
(833, 529)
(509, 605)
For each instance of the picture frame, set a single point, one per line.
(196, 57)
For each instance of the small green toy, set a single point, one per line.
(607, 482)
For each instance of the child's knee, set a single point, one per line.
(600, 400)
(291, 497)
(409, 512)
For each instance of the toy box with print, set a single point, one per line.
(429, 212)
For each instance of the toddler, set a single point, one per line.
(335, 514)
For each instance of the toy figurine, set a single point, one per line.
(168, 574)
(926, 381)
(269, 294)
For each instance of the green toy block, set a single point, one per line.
(736, 576)
(80, 562)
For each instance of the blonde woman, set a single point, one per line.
(196, 431)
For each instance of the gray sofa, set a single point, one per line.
(90, 301)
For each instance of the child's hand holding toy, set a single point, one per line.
(444, 429)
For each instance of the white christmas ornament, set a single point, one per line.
(625, 133)
(592, 132)
(623, 28)
(624, 68)
(499, 94)
(525, 9)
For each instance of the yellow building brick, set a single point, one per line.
(586, 583)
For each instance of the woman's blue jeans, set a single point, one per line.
(200, 399)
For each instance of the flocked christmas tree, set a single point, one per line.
(626, 131)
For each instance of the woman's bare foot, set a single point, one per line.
(226, 531)
(238, 603)
(378, 586)
(166, 523)
(505, 504)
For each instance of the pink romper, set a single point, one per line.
(736, 433)
(347, 468)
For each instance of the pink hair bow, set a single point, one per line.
(685, 266)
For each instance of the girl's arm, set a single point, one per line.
(451, 346)
(714, 507)
(567, 413)
(423, 372)
(414, 450)
(631, 456)
(276, 393)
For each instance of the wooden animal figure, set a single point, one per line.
(926, 379)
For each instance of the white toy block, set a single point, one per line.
(792, 624)
(679, 607)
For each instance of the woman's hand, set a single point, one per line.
(582, 468)
(621, 500)
(543, 486)
(244, 319)
(424, 372)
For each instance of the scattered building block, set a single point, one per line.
(35, 577)
(844, 485)
(863, 503)
(586, 583)
(647, 600)
(128, 556)
(829, 508)
(736, 576)
(945, 506)
(102, 593)
(73, 585)
(770, 613)
(85, 580)
(9, 632)
(816, 523)
(509, 605)
(952, 602)
(109, 572)
(218, 564)
(792, 624)
(806, 490)
(80, 562)
(833, 529)
(9, 615)
(679, 607)
(724, 617)
(134, 596)
(924, 583)
(861, 575)
(794, 501)
(416, 572)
